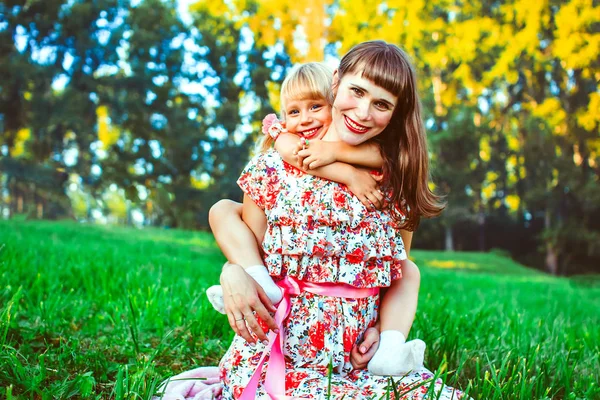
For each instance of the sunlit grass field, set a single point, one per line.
(107, 312)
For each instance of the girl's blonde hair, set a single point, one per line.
(309, 81)
(403, 143)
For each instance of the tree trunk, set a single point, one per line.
(481, 236)
(449, 239)
(551, 253)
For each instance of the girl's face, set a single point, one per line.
(308, 118)
(361, 110)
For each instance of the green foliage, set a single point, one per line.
(155, 106)
(105, 312)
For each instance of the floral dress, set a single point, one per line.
(318, 231)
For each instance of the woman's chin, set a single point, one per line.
(353, 139)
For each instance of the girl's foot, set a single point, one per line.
(395, 356)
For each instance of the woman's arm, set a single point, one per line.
(242, 295)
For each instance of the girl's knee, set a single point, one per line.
(223, 208)
(410, 272)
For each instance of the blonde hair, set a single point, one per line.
(311, 81)
(403, 143)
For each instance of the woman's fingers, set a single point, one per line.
(374, 200)
(263, 310)
(252, 326)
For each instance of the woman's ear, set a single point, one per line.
(335, 82)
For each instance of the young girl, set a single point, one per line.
(306, 112)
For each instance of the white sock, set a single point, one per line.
(215, 297)
(261, 275)
(395, 356)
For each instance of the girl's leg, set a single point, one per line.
(239, 245)
(395, 356)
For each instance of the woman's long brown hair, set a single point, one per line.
(403, 143)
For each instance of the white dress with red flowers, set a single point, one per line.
(318, 231)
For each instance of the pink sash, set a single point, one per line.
(275, 376)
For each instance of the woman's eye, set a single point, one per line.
(382, 106)
(356, 91)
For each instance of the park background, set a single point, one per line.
(141, 114)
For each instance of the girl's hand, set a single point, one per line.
(315, 154)
(365, 186)
(362, 352)
(245, 300)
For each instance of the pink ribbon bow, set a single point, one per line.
(275, 376)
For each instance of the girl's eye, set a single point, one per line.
(315, 107)
(292, 112)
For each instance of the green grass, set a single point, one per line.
(103, 312)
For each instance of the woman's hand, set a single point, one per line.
(315, 154)
(362, 352)
(365, 186)
(244, 301)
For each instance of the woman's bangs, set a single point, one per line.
(382, 69)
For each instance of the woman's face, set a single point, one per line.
(308, 118)
(361, 110)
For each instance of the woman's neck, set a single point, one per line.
(331, 135)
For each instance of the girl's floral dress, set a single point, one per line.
(318, 231)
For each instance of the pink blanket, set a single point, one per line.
(198, 384)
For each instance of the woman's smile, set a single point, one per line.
(361, 110)
(355, 126)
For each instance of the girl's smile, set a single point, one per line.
(308, 117)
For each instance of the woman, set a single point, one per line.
(306, 226)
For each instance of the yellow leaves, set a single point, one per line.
(107, 134)
(552, 112)
(489, 186)
(200, 183)
(513, 143)
(577, 43)
(485, 150)
(301, 25)
(115, 201)
(512, 201)
(23, 135)
(589, 118)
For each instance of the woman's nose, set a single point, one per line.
(363, 110)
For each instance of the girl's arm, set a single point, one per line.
(360, 182)
(318, 153)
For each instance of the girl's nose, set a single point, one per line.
(305, 118)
